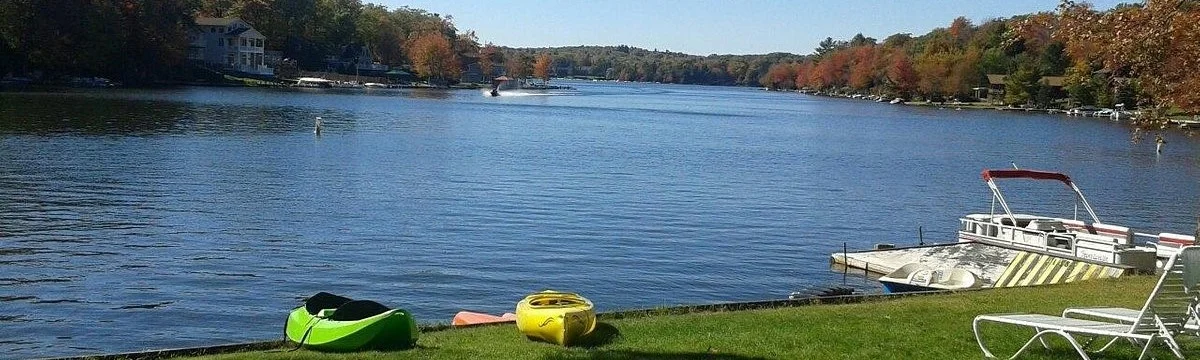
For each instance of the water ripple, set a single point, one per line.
(140, 210)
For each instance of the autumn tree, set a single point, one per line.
(862, 67)
(517, 66)
(780, 76)
(1158, 43)
(901, 74)
(965, 73)
(487, 58)
(541, 67)
(933, 72)
(804, 74)
(433, 58)
(381, 33)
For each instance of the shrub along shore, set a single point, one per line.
(911, 327)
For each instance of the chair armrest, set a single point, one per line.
(1122, 315)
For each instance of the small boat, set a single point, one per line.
(468, 318)
(313, 82)
(329, 322)
(918, 277)
(555, 317)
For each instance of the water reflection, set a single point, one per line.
(434, 94)
(142, 114)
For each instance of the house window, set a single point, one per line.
(212, 29)
(243, 41)
(220, 41)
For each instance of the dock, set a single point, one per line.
(996, 266)
(1186, 123)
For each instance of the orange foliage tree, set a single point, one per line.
(433, 57)
(1158, 43)
(780, 76)
(901, 74)
(862, 68)
(804, 74)
(541, 67)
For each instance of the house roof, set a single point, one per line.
(238, 31)
(215, 21)
(996, 79)
(1056, 81)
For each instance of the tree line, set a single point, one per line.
(139, 41)
(1134, 54)
(1141, 53)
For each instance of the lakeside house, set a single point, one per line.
(996, 84)
(229, 44)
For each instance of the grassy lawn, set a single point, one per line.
(919, 327)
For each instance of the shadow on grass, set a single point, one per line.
(603, 334)
(646, 355)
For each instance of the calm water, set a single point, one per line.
(135, 219)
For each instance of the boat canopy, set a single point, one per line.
(988, 175)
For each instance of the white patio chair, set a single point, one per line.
(1188, 276)
(1166, 311)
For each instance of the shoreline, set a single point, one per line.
(265, 345)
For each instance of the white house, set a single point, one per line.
(229, 43)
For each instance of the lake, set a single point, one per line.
(146, 219)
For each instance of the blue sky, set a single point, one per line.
(703, 27)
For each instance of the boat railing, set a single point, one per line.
(1050, 242)
(1169, 244)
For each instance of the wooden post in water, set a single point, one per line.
(920, 236)
(866, 270)
(845, 263)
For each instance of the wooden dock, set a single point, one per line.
(995, 266)
(1185, 123)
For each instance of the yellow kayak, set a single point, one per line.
(555, 317)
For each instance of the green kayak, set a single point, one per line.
(329, 322)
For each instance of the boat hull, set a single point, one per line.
(917, 277)
(392, 329)
(895, 287)
(555, 317)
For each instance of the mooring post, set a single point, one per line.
(866, 270)
(845, 263)
(920, 236)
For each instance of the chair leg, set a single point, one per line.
(1146, 349)
(1075, 344)
(1036, 337)
(979, 339)
(1037, 330)
(1174, 346)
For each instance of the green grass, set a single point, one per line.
(919, 327)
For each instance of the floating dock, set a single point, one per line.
(996, 266)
